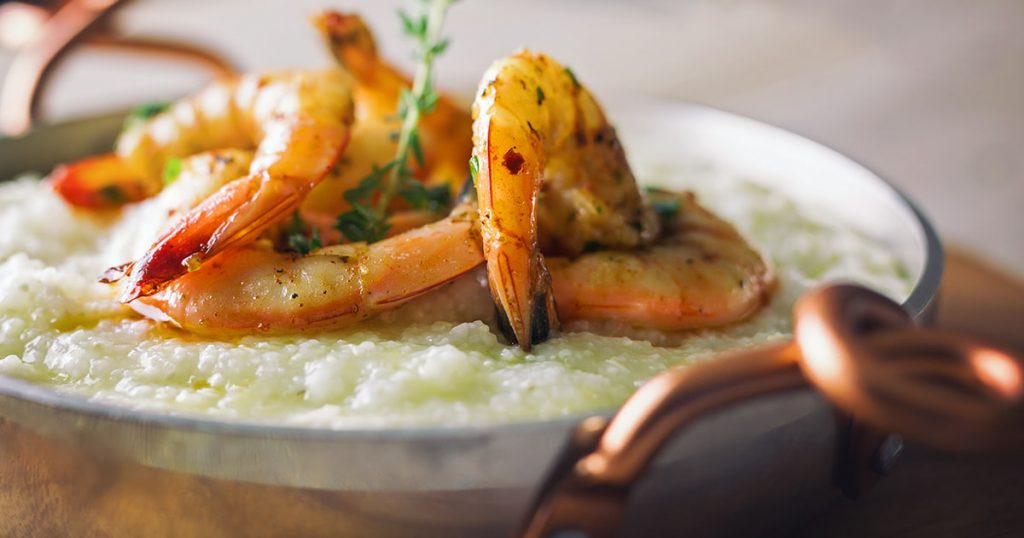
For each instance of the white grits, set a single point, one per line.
(428, 364)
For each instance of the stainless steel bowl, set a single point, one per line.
(71, 466)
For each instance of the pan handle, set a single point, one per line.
(75, 22)
(860, 349)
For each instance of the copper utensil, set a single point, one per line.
(75, 22)
(860, 349)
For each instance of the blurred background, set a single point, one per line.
(929, 93)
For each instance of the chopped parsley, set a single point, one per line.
(172, 169)
(148, 110)
(474, 167)
(575, 81)
(665, 208)
(144, 112)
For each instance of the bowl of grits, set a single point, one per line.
(422, 421)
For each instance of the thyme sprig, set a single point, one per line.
(369, 200)
(298, 239)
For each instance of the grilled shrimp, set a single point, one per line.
(553, 181)
(255, 288)
(114, 179)
(298, 123)
(445, 134)
(699, 273)
(552, 176)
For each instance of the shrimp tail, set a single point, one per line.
(236, 213)
(100, 182)
(254, 288)
(523, 297)
(444, 133)
(299, 122)
(116, 273)
(349, 40)
(543, 318)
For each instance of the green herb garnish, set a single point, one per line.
(474, 168)
(420, 196)
(148, 110)
(299, 240)
(367, 220)
(304, 245)
(575, 82)
(540, 96)
(362, 222)
(172, 169)
(665, 208)
(144, 112)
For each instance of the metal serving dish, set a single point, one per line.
(69, 466)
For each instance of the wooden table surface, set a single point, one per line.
(939, 495)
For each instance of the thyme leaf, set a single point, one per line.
(474, 167)
(172, 169)
(575, 81)
(297, 238)
(362, 222)
(143, 113)
(420, 196)
(370, 199)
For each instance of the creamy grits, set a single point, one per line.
(433, 362)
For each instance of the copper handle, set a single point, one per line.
(78, 21)
(857, 347)
(948, 390)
